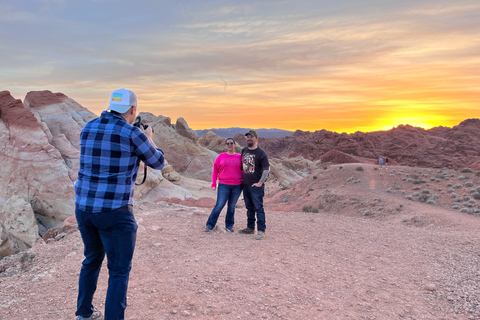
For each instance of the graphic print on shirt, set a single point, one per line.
(249, 163)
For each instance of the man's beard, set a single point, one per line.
(250, 144)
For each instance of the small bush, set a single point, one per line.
(359, 169)
(310, 209)
(423, 198)
(469, 184)
(466, 170)
(314, 177)
(414, 176)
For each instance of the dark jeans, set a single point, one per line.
(225, 192)
(253, 197)
(113, 233)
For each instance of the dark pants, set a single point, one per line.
(253, 197)
(113, 233)
(225, 192)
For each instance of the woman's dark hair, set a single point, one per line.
(230, 139)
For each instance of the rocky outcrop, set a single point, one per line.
(438, 147)
(18, 226)
(62, 120)
(32, 167)
(181, 149)
(216, 143)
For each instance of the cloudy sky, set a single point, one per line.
(344, 66)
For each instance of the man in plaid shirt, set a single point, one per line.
(110, 153)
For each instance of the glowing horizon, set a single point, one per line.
(346, 66)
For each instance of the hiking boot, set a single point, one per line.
(246, 231)
(96, 315)
(228, 229)
(207, 229)
(260, 235)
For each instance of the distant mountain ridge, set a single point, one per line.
(230, 132)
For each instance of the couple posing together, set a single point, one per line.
(236, 172)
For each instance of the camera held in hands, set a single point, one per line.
(138, 122)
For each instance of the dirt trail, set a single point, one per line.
(309, 266)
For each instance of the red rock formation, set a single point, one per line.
(455, 147)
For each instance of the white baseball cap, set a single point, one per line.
(122, 100)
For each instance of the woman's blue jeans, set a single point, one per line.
(113, 233)
(225, 192)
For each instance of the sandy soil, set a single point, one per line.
(408, 260)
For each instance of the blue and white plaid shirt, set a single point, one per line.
(110, 153)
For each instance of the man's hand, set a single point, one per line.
(148, 132)
(258, 184)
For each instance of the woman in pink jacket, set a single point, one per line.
(227, 169)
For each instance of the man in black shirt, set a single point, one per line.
(255, 168)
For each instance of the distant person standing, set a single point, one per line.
(380, 162)
(111, 149)
(227, 169)
(255, 169)
(386, 163)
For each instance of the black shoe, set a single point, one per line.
(246, 231)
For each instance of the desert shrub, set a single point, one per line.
(426, 191)
(464, 210)
(454, 195)
(367, 213)
(357, 181)
(409, 180)
(478, 174)
(409, 197)
(472, 191)
(451, 190)
(314, 177)
(432, 179)
(459, 199)
(470, 205)
(310, 209)
(458, 186)
(466, 198)
(359, 169)
(469, 184)
(466, 170)
(449, 184)
(416, 188)
(416, 182)
(423, 198)
(472, 201)
(404, 179)
(350, 179)
(455, 206)
(414, 176)
(397, 187)
(430, 201)
(416, 194)
(476, 195)
(461, 178)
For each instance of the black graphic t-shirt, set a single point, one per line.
(254, 162)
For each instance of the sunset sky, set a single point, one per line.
(344, 66)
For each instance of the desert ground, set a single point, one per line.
(342, 243)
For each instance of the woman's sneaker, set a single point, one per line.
(228, 229)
